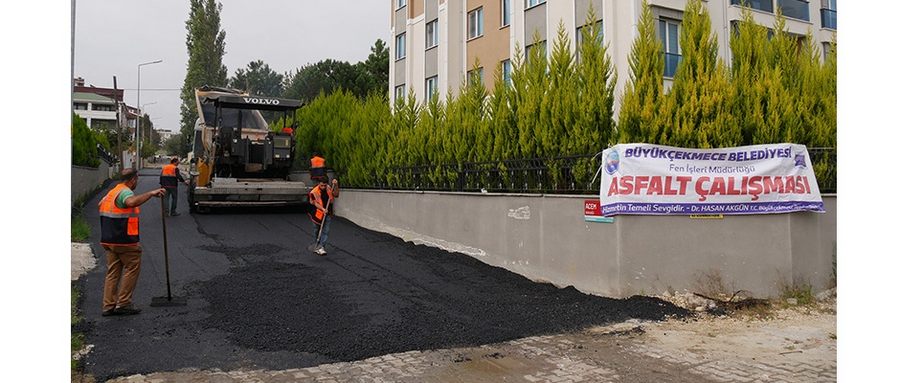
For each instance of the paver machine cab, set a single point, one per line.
(238, 160)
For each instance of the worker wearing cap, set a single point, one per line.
(120, 237)
(169, 179)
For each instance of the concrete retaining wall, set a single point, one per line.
(85, 180)
(545, 238)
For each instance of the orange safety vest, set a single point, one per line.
(315, 198)
(316, 162)
(118, 226)
(168, 178)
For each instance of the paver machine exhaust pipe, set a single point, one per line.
(168, 300)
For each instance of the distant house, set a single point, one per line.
(97, 110)
(98, 106)
(165, 134)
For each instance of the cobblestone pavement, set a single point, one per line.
(799, 349)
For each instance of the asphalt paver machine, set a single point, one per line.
(238, 160)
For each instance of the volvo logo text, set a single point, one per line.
(263, 101)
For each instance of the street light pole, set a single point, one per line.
(137, 131)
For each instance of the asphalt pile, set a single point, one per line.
(392, 296)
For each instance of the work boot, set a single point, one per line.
(127, 310)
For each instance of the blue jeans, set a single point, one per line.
(324, 237)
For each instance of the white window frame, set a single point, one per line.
(505, 13)
(401, 4)
(431, 87)
(400, 92)
(479, 24)
(400, 53)
(533, 3)
(435, 37)
(665, 32)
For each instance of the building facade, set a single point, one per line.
(437, 44)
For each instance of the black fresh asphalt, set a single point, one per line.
(257, 299)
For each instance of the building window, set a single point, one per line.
(476, 23)
(540, 44)
(760, 5)
(102, 108)
(829, 14)
(431, 88)
(507, 72)
(826, 49)
(798, 9)
(581, 31)
(505, 13)
(400, 3)
(401, 46)
(431, 34)
(668, 34)
(476, 73)
(400, 92)
(532, 3)
(80, 106)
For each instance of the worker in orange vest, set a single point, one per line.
(317, 167)
(169, 179)
(321, 197)
(120, 237)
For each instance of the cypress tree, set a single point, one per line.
(594, 128)
(701, 96)
(531, 108)
(639, 115)
(749, 68)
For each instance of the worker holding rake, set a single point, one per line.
(321, 197)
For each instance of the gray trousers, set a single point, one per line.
(170, 200)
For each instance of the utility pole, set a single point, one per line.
(118, 124)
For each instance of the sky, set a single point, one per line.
(113, 36)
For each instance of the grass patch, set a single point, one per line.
(80, 229)
(802, 292)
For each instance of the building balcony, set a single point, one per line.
(795, 9)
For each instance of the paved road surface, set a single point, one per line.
(257, 299)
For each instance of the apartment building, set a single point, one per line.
(437, 44)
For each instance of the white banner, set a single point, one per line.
(644, 179)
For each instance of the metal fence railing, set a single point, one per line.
(559, 175)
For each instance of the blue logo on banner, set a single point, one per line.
(612, 162)
(800, 160)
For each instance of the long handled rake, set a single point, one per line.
(167, 300)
